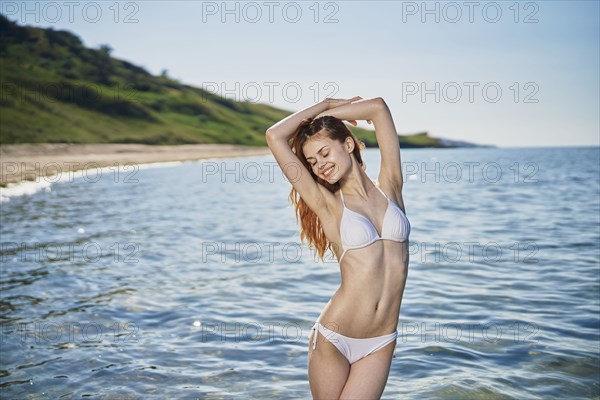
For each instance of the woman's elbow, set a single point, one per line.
(380, 102)
(269, 134)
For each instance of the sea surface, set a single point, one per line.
(189, 280)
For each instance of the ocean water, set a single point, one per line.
(189, 280)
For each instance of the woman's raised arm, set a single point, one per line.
(296, 173)
(285, 128)
(385, 131)
(278, 135)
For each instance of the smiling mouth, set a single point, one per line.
(328, 171)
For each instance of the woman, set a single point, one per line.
(342, 210)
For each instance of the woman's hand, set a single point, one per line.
(353, 122)
(333, 103)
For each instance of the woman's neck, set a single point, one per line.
(356, 183)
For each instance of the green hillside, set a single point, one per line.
(55, 90)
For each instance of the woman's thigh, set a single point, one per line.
(328, 369)
(368, 376)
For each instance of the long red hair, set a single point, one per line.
(311, 229)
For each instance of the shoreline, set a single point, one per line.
(29, 162)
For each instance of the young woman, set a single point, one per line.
(364, 225)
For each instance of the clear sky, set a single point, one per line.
(505, 73)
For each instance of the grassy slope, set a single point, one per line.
(53, 89)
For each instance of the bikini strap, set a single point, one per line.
(382, 192)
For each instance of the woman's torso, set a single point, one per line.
(373, 277)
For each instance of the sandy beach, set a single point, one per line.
(27, 162)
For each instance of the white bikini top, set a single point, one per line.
(357, 231)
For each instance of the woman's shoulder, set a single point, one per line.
(391, 191)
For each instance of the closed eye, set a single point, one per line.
(318, 152)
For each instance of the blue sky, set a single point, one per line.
(503, 73)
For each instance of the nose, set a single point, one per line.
(322, 165)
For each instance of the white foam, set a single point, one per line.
(159, 164)
(23, 188)
(26, 188)
(45, 183)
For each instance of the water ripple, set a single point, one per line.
(181, 287)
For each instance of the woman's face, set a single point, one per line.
(328, 158)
